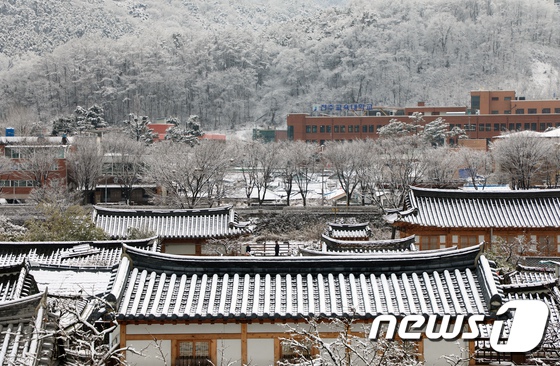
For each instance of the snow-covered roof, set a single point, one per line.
(448, 208)
(81, 254)
(219, 222)
(155, 286)
(16, 282)
(24, 339)
(369, 246)
(349, 231)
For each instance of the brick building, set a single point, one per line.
(490, 114)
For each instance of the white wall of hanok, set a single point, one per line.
(180, 248)
(435, 352)
(261, 343)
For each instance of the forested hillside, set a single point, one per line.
(238, 62)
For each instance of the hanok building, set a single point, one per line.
(443, 218)
(182, 231)
(352, 239)
(48, 290)
(218, 309)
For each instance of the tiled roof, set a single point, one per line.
(66, 253)
(16, 282)
(349, 231)
(164, 286)
(217, 222)
(480, 209)
(72, 281)
(23, 339)
(370, 246)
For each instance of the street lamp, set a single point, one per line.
(322, 177)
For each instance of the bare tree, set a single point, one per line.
(40, 163)
(346, 160)
(304, 159)
(477, 164)
(186, 172)
(85, 162)
(308, 345)
(398, 163)
(258, 162)
(441, 166)
(25, 120)
(522, 158)
(123, 159)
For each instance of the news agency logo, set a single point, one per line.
(526, 332)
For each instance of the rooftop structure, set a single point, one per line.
(443, 218)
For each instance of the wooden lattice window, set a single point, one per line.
(193, 353)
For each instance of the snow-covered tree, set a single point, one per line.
(10, 231)
(437, 132)
(397, 128)
(189, 135)
(138, 129)
(81, 121)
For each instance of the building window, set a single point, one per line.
(481, 127)
(468, 241)
(357, 128)
(488, 127)
(364, 128)
(495, 98)
(507, 98)
(542, 126)
(193, 353)
(495, 112)
(307, 129)
(313, 129)
(520, 111)
(475, 101)
(336, 129)
(556, 110)
(533, 126)
(511, 126)
(322, 129)
(350, 128)
(546, 110)
(518, 126)
(496, 126)
(526, 126)
(371, 128)
(328, 129)
(532, 111)
(295, 351)
(342, 129)
(507, 112)
(428, 242)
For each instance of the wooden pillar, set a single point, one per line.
(122, 339)
(244, 356)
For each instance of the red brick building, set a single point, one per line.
(18, 178)
(490, 114)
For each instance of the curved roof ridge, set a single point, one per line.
(161, 211)
(378, 263)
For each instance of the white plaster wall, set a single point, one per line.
(434, 350)
(183, 328)
(151, 354)
(229, 352)
(184, 249)
(260, 352)
(266, 328)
